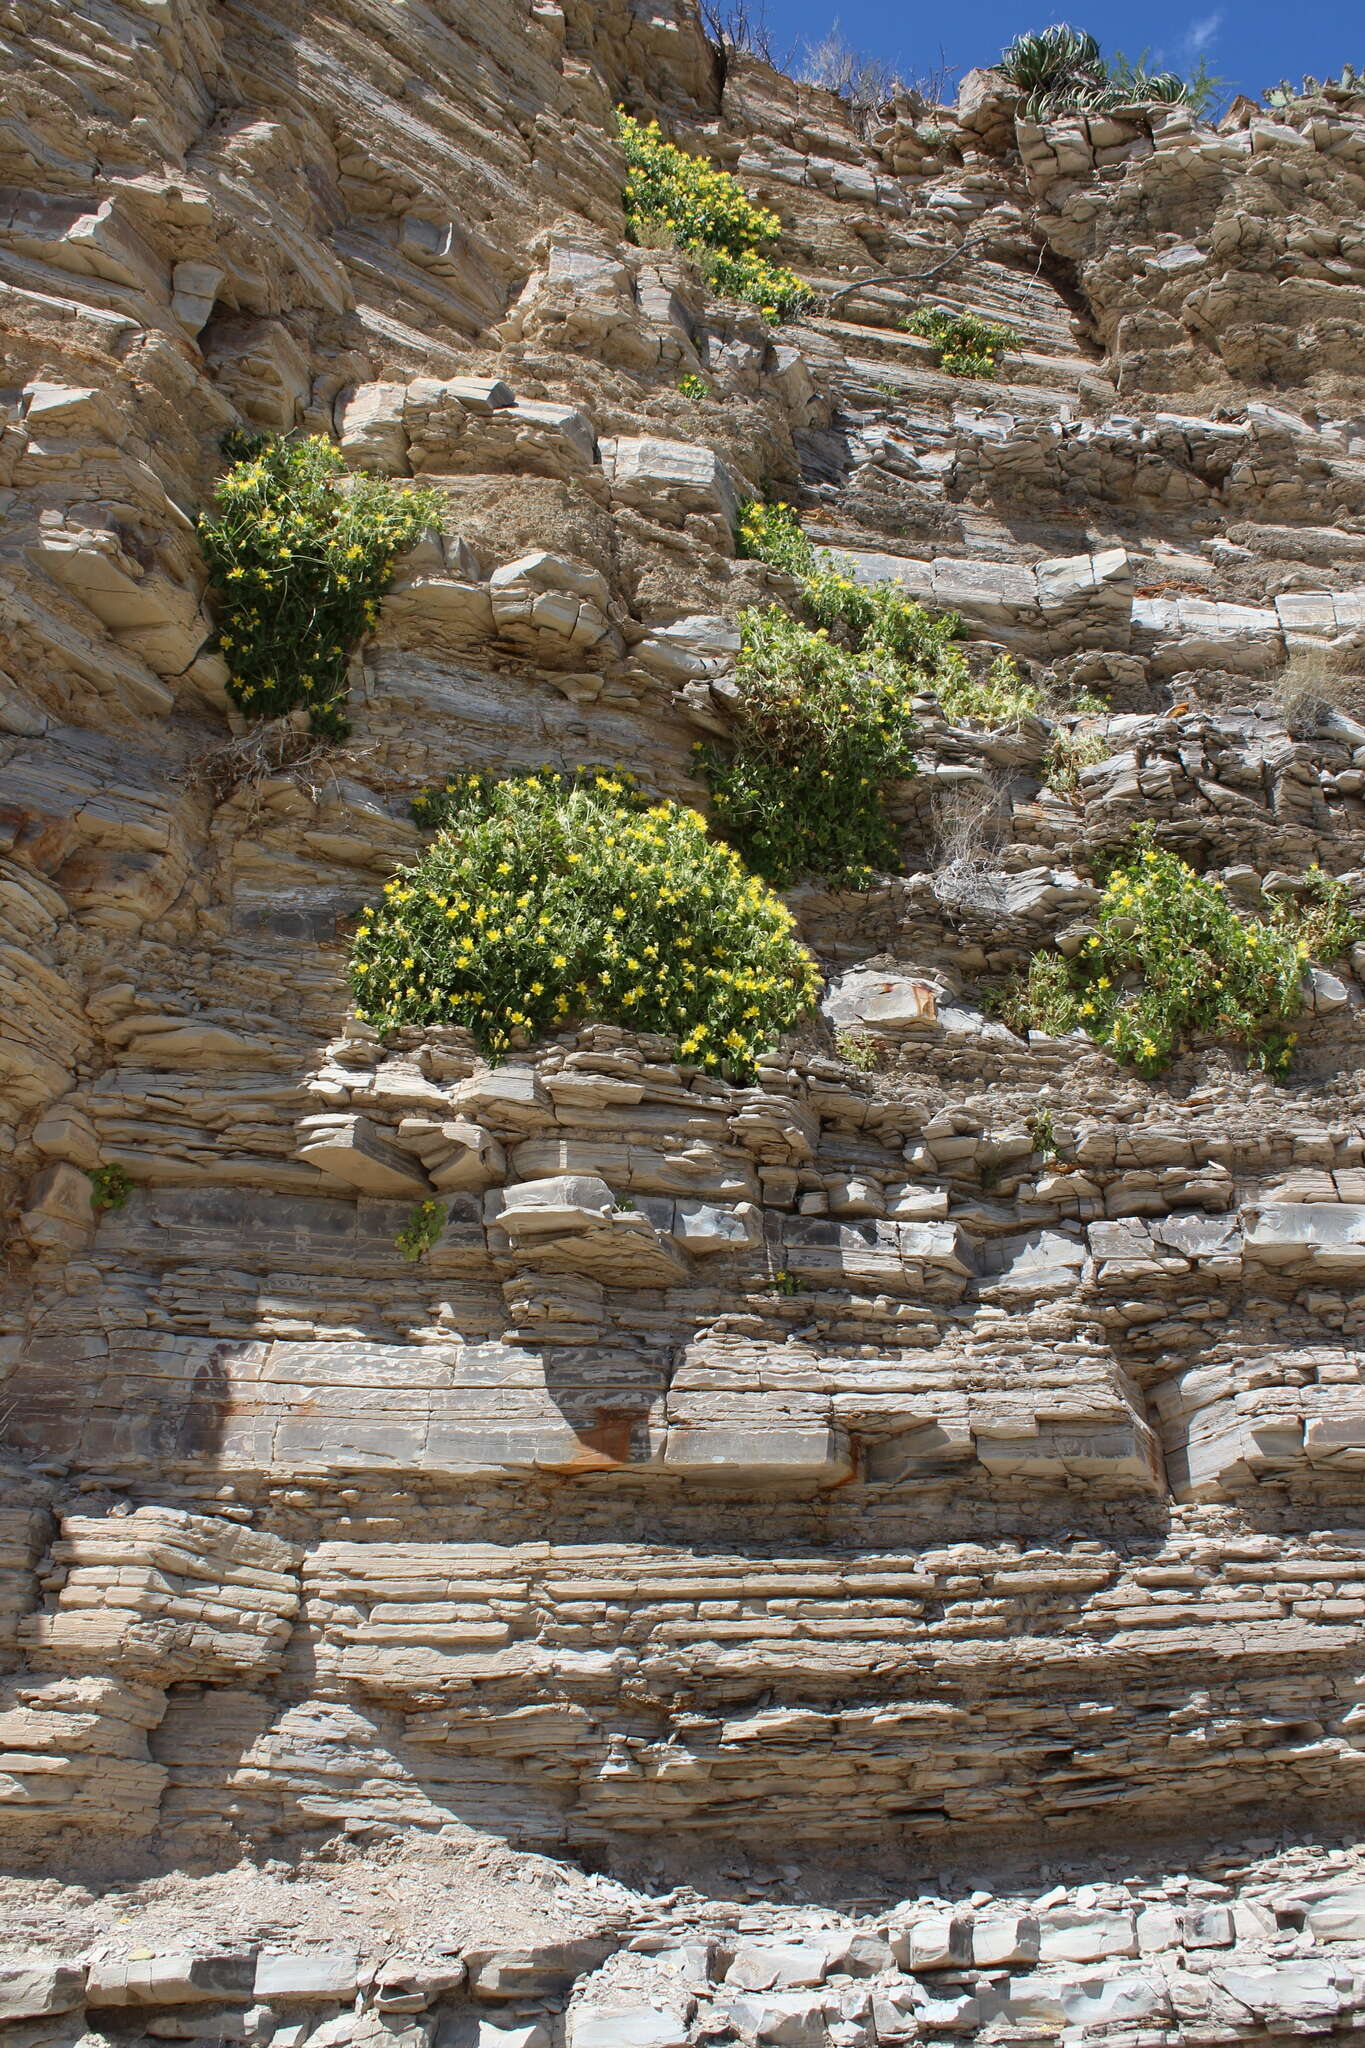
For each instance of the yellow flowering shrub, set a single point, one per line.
(110, 1187)
(426, 1221)
(772, 533)
(865, 616)
(819, 730)
(964, 343)
(546, 901)
(299, 555)
(824, 716)
(708, 213)
(1169, 956)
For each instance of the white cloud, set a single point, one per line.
(1202, 33)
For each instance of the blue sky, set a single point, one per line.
(1253, 44)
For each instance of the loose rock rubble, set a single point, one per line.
(949, 1445)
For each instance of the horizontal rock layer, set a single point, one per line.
(950, 1437)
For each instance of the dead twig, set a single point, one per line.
(251, 759)
(917, 277)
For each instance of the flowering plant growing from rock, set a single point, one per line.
(547, 900)
(772, 533)
(824, 714)
(299, 554)
(864, 616)
(1170, 956)
(966, 345)
(426, 1221)
(1322, 920)
(926, 644)
(819, 729)
(708, 213)
(110, 1187)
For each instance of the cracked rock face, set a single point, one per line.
(949, 1441)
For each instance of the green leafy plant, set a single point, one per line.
(824, 716)
(110, 1187)
(694, 387)
(1069, 755)
(1001, 697)
(707, 212)
(856, 1050)
(1040, 997)
(1203, 89)
(965, 345)
(1043, 1133)
(786, 1283)
(548, 900)
(1349, 82)
(1053, 59)
(772, 533)
(818, 730)
(299, 555)
(1323, 921)
(924, 644)
(1169, 956)
(425, 1223)
(1060, 70)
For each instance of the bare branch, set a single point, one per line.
(739, 25)
(917, 277)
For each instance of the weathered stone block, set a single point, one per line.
(940, 1941)
(351, 1149)
(1004, 1939)
(758, 1453)
(632, 2026)
(28, 1990)
(178, 1977)
(1079, 1937)
(776, 1966)
(318, 1974)
(544, 1972)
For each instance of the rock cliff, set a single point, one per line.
(875, 1553)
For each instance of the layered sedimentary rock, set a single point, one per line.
(746, 1468)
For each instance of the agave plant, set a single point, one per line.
(1052, 57)
(1284, 94)
(1060, 70)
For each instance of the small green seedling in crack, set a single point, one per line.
(110, 1188)
(424, 1225)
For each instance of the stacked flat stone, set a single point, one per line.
(945, 1437)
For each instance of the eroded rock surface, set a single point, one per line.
(750, 1479)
